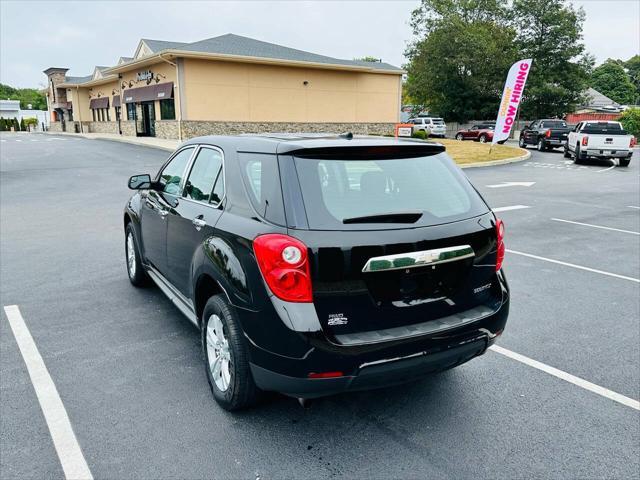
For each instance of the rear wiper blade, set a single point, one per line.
(399, 217)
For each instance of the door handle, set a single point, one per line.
(149, 204)
(162, 213)
(198, 223)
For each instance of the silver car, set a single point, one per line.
(434, 126)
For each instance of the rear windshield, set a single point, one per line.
(554, 124)
(603, 128)
(438, 121)
(431, 188)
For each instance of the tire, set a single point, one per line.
(521, 142)
(578, 156)
(624, 162)
(482, 139)
(501, 142)
(236, 390)
(459, 137)
(567, 153)
(541, 145)
(135, 270)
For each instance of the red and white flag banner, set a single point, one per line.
(511, 96)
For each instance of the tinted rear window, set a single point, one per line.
(334, 190)
(603, 128)
(438, 121)
(554, 124)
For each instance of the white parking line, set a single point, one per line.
(596, 226)
(567, 377)
(512, 207)
(64, 440)
(572, 265)
(605, 169)
(633, 206)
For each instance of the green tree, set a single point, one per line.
(612, 80)
(3, 125)
(630, 120)
(368, 58)
(459, 61)
(27, 96)
(633, 69)
(23, 126)
(550, 32)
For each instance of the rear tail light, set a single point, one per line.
(284, 263)
(500, 244)
(585, 141)
(632, 143)
(548, 134)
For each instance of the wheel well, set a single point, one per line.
(206, 287)
(127, 220)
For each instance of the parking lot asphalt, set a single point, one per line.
(129, 371)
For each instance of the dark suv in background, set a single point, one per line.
(316, 265)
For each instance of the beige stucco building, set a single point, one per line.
(225, 85)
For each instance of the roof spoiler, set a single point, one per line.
(378, 152)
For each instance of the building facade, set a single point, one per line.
(10, 109)
(225, 85)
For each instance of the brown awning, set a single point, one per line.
(116, 100)
(149, 93)
(102, 102)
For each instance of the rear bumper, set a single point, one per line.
(372, 375)
(609, 153)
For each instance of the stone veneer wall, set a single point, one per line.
(55, 126)
(198, 128)
(128, 127)
(167, 129)
(100, 127)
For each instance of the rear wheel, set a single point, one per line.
(459, 137)
(624, 162)
(137, 274)
(567, 153)
(226, 356)
(541, 145)
(578, 156)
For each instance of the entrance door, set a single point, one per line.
(147, 124)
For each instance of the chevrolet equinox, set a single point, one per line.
(314, 265)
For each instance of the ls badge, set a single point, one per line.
(337, 319)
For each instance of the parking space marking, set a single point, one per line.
(567, 377)
(633, 206)
(572, 265)
(605, 169)
(71, 458)
(596, 226)
(512, 207)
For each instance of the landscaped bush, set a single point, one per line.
(421, 134)
(630, 120)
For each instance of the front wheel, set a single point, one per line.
(137, 274)
(459, 137)
(521, 142)
(483, 139)
(226, 356)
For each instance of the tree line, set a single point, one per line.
(27, 96)
(462, 50)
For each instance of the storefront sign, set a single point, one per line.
(144, 76)
(403, 129)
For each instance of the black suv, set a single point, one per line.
(314, 265)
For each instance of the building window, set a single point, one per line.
(93, 112)
(108, 115)
(131, 111)
(117, 114)
(167, 109)
(71, 115)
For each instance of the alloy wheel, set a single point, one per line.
(218, 353)
(131, 256)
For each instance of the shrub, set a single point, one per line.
(630, 120)
(421, 134)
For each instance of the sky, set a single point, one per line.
(79, 35)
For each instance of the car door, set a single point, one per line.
(156, 205)
(530, 135)
(472, 132)
(194, 216)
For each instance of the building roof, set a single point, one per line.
(238, 45)
(78, 80)
(598, 100)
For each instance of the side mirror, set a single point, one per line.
(139, 182)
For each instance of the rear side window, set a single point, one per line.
(261, 178)
(205, 173)
(338, 190)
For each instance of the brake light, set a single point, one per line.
(547, 134)
(326, 375)
(632, 143)
(585, 141)
(500, 244)
(284, 263)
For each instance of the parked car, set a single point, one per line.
(317, 265)
(433, 126)
(545, 134)
(482, 132)
(600, 139)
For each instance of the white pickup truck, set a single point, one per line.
(598, 139)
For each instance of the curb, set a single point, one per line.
(109, 139)
(492, 163)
